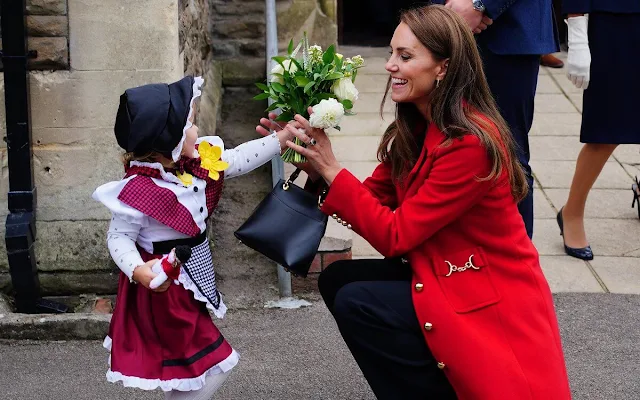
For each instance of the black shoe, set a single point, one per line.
(584, 253)
(636, 195)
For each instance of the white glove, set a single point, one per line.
(579, 59)
(160, 278)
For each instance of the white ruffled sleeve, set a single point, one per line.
(121, 241)
(108, 194)
(247, 156)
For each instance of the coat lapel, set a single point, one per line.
(432, 138)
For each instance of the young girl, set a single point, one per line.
(165, 338)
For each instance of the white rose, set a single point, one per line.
(344, 89)
(277, 69)
(327, 114)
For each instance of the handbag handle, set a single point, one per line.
(292, 178)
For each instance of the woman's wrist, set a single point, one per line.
(330, 173)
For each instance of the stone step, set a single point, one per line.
(364, 123)
(370, 102)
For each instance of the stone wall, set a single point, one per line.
(113, 45)
(48, 34)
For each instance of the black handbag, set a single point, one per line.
(287, 226)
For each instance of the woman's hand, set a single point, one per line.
(318, 150)
(144, 275)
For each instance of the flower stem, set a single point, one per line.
(291, 156)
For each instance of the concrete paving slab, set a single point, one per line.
(568, 274)
(628, 153)
(619, 274)
(554, 148)
(542, 207)
(565, 84)
(553, 103)
(546, 85)
(558, 174)
(613, 237)
(546, 237)
(556, 124)
(601, 203)
(576, 100)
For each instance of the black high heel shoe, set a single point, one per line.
(636, 195)
(583, 253)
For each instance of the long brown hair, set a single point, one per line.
(462, 103)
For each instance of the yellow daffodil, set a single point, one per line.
(210, 160)
(186, 178)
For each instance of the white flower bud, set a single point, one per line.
(344, 89)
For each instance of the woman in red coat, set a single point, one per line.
(459, 307)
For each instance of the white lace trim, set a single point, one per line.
(184, 385)
(197, 83)
(157, 166)
(188, 284)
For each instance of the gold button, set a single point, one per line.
(344, 223)
(349, 226)
(441, 365)
(339, 220)
(428, 326)
(334, 216)
(419, 287)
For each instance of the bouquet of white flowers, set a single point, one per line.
(320, 79)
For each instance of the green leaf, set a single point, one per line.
(302, 81)
(279, 59)
(262, 96)
(309, 86)
(290, 49)
(285, 116)
(328, 55)
(273, 107)
(278, 87)
(325, 96)
(334, 75)
(337, 128)
(339, 62)
(348, 104)
(297, 64)
(262, 86)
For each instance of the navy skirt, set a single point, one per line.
(611, 103)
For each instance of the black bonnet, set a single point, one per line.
(152, 117)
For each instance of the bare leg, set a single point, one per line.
(590, 162)
(206, 393)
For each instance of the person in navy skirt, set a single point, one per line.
(604, 36)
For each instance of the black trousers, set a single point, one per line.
(371, 303)
(513, 80)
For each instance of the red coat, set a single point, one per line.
(479, 291)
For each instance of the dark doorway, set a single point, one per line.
(369, 23)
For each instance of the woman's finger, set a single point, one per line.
(303, 121)
(300, 150)
(299, 133)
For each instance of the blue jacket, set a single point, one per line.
(519, 27)
(611, 6)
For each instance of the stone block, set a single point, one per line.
(297, 17)
(556, 124)
(568, 274)
(238, 8)
(70, 283)
(80, 99)
(55, 327)
(371, 83)
(239, 29)
(372, 66)
(116, 35)
(336, 238)
(211, 100)
(601, 203)
(74, 246)
(364, 124)
(370, 102)
(251, 48)
(553, 103)
(355, 148)
(619, 274)
(53, 53)
(361, 169)
(362, 249)
(558, 175)
(554, 148)
(47, 7)
(47, 25)
(243, 71)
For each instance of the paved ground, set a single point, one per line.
(298, 355)
(612, 225)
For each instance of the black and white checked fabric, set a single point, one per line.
(200, 269)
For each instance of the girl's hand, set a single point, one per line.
(144, 275)
(268, 125)
(318, 150)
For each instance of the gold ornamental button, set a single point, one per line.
(419, 286)
(345, 223)
(339, 220)
(428, 326)
(334, 216)
(349, 226)
(441, 365)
